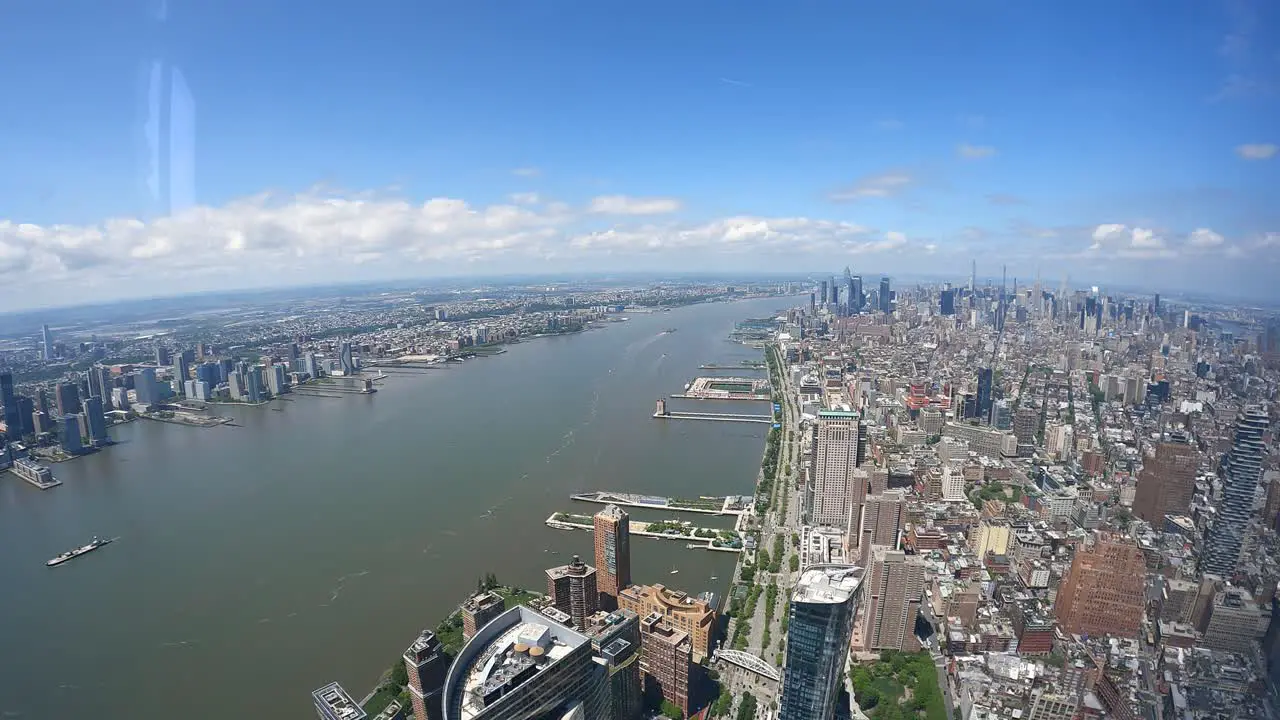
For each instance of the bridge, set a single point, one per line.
(748, 662)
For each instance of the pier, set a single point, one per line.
(695, 538)
(726, 388)
(662, 413)
(34, 473)
(744, 365)
(731, 505)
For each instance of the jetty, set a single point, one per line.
(695, 538)
(662, 413)
(729, 505)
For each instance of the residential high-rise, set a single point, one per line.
(613, 554)
(1240, 471)
(95, 421)
(526, 665)
(333, 702)
(253, 385)
(882, 520)
(836, 495)
(692, 615)
(893, 594)
(346, 359)
(70, 434)
(572, 589)
(1026, 421)
(26, 414)
(12, 412)
(144, 386)
(824, 603)
(426, 664)
(665, 659)
(235, 385)
(1103, 594)
(1166, 483)
(886, 296)
(67, 397)
(479, 610)
(615, 637)
(162, 356)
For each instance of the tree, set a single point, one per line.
(747, 708)
(672, 710)
(399, 676)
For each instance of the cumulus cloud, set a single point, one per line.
(626, 205)
(874, 186)
(1204, 238)
(974, 152)
(1256, 151)
(746, 233)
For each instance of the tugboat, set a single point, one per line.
(93, 544)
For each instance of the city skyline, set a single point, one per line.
(195, 166)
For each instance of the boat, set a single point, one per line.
(674, 571)
(92, 545)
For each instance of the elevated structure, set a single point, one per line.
(749, 662)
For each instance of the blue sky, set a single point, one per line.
(153, 148)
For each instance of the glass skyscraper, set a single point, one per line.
(823, 605)
(1240, 472)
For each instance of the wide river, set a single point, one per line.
(314, 541)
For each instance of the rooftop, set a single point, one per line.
(827, 584)
(338, 702)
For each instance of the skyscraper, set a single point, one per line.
(850, 299)
(144, 386)
(822, 292)
(1167, 482)
(426, 664)
(615, 637)
(95, 421)
(886, 296)
(947, 302)
(985, 378)
(1240, 471)
(526, 665)
(824, 603)
(893, 596)
(613, 554)
(70, 431)
(479, 610)
(1102, 594)
(46, 343)
(162, 356)
(67, 398)
(572, 589)
(836, 494)
(345, 359)
(665, 659)
(12, 413)
(856, 296)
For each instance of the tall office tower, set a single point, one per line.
(105, 383)
(526, 665)
(813, 303)
(973, 277)
(209, 372)
(70, 431)
(850, 299)
(883, 519)
(835, 293)
(893, 601)
(95, 421)
(1103, 592)
(824, 603)
(886, 296)
(46, 343)
(572, 589)
(822, 292)
(665, 659)
(947, 302)
(1240, 471)
(613, 554)
(615, 637)
(162, 356)
(479, 610)
(253, 384)
(985, 378)
(836, 494)
(1156, 305)
(67, 396)
(333, 702)
(181, 367)
(12, 413)
(345, 359)
(426, 664)
(276, 379)
(692, 615)
(1167, 482)
(856, 294)
(235, 386)
(26, 414)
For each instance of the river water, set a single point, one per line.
(311, 544)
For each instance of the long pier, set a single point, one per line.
(722, 417)
(692, 541)
(724, 505)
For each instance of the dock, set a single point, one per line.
(687, 533)
(726, 388)
(730, 505)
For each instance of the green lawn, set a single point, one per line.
(899, 686)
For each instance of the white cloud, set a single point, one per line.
(1204, 238)
(745, 234)
(525, 198)
(526, 172)
(1115, 240)
(626, 205)
(1257, 151)
(1145, 239)
(974, 152)
(874, 186)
